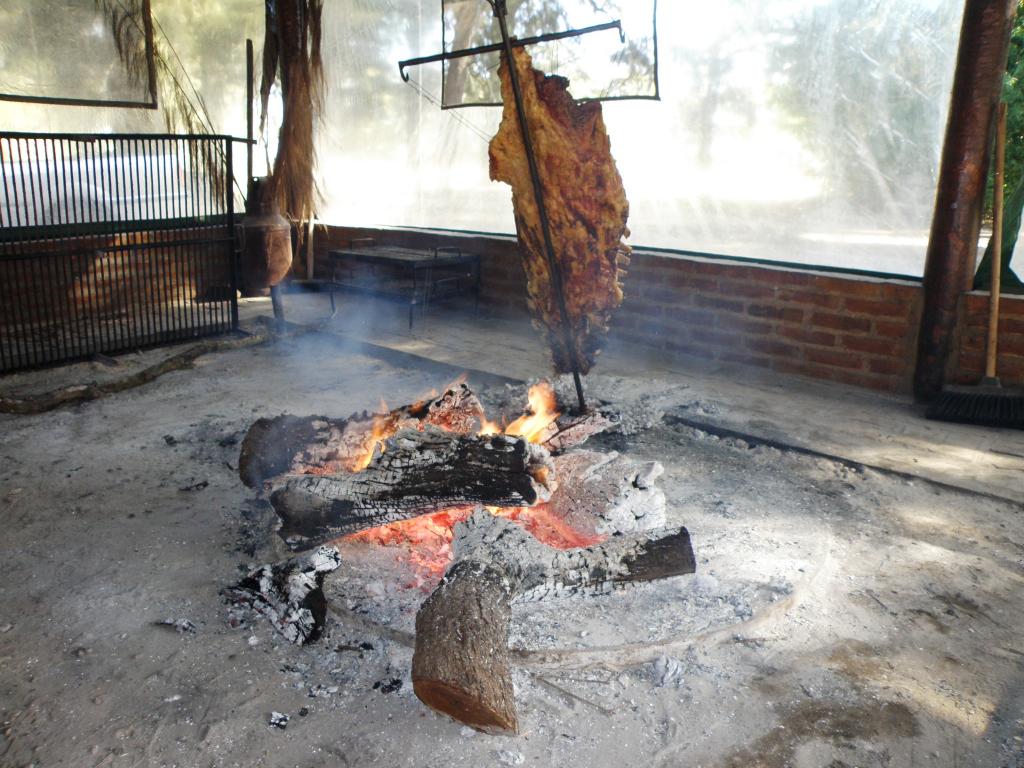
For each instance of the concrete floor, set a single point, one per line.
(858, 604)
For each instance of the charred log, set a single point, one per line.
(607, 493)
(417, 473)
(460, 663)
(571, 431)
(282, 444)
(536, 571)
(317, 444)
(289, 594)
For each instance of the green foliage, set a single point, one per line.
(1013, 173)
(1013, 95)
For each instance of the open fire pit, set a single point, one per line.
(490, 515)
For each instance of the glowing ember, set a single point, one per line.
(426, 540)
(547, 527)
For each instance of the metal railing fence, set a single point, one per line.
(113, 242)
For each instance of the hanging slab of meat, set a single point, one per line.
(586, 206)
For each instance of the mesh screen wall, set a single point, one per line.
(789, 130)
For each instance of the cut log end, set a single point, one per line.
(464, 707)
(460, 664)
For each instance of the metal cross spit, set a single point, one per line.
(500, 8)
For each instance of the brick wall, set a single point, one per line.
(969, 362)
(850, 329)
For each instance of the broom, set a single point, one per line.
(987, 403)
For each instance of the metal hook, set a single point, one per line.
(402, 73)
(622, 34)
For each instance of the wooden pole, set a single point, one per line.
(310, 264)
(953, 242)
(992, 345)
(249, 76)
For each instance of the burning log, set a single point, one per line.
(418, 472)
(460, 664)
(317, 444)
(570, 431)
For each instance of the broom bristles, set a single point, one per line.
(986, 405)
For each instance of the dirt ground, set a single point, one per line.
(839, 616)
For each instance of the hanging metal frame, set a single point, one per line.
(500, 9)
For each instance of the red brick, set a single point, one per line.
(743, 325)
(807, 336)
(748, 290)
(718, 302)
(1011, 341)
(976, 303)
(685, 317)
(1011, 370)
(747, 359)
(824, 300)
(640, 339)
(695, 350)
(802, 368)
(1010, 324)
(888, 366)
(874, 345)
(883, 308)
(690, 283)
(971, 361)
(774, 347)
(1011, 310)
(893, 330)
(861, 289)
(664, 296)
(783, 277)
(869, 381)
(786, 314)
(840, 322)
(643, 309)
(835, 358)
(716, 338)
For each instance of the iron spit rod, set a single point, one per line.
(495, 47)
(500, 10)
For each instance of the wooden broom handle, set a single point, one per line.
(997, 246)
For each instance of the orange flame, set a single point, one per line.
(381, 428)
(542, 413)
